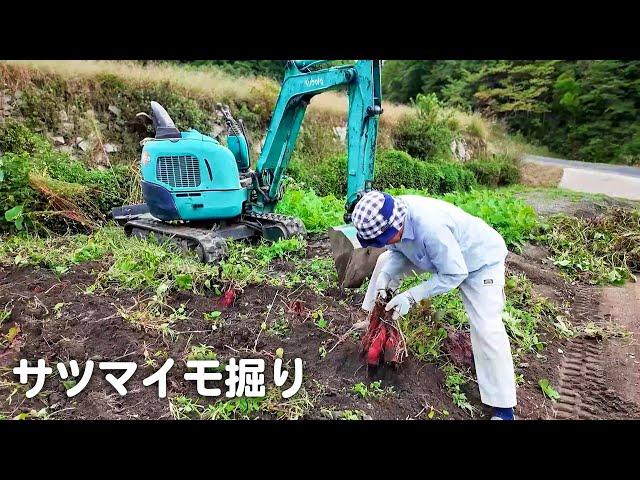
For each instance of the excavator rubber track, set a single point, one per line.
(288, 226)
(210, 244)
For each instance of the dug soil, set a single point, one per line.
(52, 318)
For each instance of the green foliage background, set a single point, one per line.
(586, 110)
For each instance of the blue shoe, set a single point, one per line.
(503, 414)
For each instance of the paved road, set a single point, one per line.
(613, 180)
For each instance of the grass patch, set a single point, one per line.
(133, 263)
(41, 188)
(601, 250)
(514, 219)
(317, 274)
(293, 408)
(185, 408)
(244, 408)
(496, 171)
(154, 315)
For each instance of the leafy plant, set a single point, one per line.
(454, 380)
(317, 213)
(322, 350)
(374, 390)
(548, 390)
(424, 340)
(15, 215)
(515, 220)
(525, 313)
(202, 352)
(4, 315)
(317, 274)
(318, 319)
(278, 327)
(395, 169)
(352, 415)
(184, 408)
(215, 319)
(293, 408)
(497, 171)
(237, 408)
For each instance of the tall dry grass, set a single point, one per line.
(212, 81)
(209, 81)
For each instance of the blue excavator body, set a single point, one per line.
(199, 192)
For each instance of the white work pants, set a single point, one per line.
(483, 299)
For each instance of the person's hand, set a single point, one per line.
(400, 304)
(382, 284)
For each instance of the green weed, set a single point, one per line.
(548, 390)
(317, 213)
(278, 327)
(138, 264)
(4, 315)
(512, 218)
(317, 274)
(154, 315)
(352, 415)
(185, 408)
(293, 408)
(496, 171)
(454, 380)
(374, 390)
(319, 320)
(201, 352)
(525, 313)
(215, 319)
(242, 408)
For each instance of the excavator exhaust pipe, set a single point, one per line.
(354, 263)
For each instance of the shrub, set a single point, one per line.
(326, 177)
(500, 170)
(397, 169)
(478, 128)
(35, 177)
(428, 134)
(17, 138)
(454, 177)
(393, 168)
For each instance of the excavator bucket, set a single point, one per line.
(354, 263)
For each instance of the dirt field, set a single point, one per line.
(59, 322)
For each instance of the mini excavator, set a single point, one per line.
(198, 193)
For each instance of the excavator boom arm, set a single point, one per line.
(300, 85)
